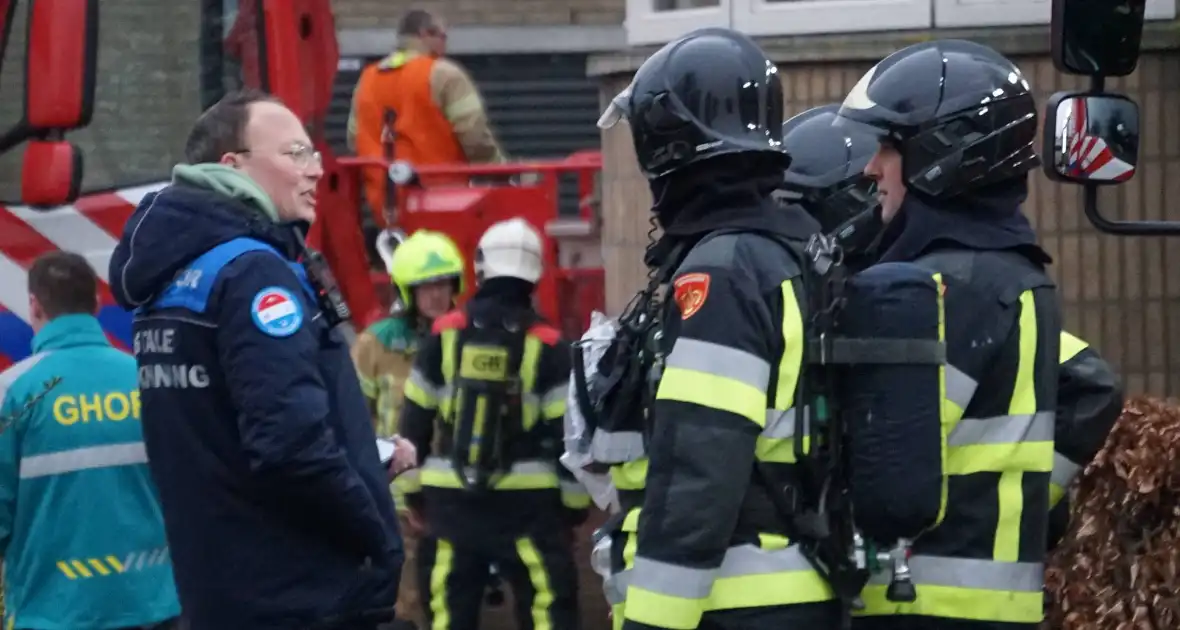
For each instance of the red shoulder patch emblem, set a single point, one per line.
(690, 291)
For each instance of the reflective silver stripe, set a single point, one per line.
(616, 447)
(524, 467)
(972, 573)
(959, 387)
(1036, 427)
(1064, 470)
(712, 358)
(419, 379)
(738, 562)
(87, 458)
(780, 424)
(671, 579)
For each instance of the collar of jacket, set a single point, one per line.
(986, 220)
(70, 331)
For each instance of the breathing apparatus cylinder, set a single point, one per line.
(893, 405)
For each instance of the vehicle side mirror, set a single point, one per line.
(1090, 138)
(61, 64)
(51, 173)
(1097, 37)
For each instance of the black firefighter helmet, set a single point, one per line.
(826, 176)
(712, 92)
(961, 114)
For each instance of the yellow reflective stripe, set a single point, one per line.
(574, 495)
(964, 588)
(553, 402)
(448, 338)
(791, 362)
(713, 392)
(949, 412)
(524, 475)
(776, 443)
(749, 576)
(419, 395)
(1026, 456)
(408, 482)
(630, 475)
(368, 386)
(539, 578)
(444, 557)
(1006, 546)
(1071, 346)
(529, 359)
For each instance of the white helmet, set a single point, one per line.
(509, 248)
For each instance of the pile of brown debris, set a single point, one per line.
(1119, 565)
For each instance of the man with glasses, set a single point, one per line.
(275, 501)
(418, 106)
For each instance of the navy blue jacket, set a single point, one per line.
(277, 509)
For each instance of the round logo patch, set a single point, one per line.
(276, 312)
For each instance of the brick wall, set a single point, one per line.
(146, 95)
(385, 13)
(1122, 294)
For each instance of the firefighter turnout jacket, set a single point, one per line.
(984, 562)
(1090, 400)
(517, 517)
(700, 534)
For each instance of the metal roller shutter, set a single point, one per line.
(540, 106)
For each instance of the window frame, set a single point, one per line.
(760, 18)
(953, 14)
(646, 26)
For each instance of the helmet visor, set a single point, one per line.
(616, 111)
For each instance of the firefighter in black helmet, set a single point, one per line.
(826, 178)
(956, 123)
(700, 543)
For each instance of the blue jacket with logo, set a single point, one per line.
(80, 525)
(277, 506)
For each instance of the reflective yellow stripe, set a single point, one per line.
(446, 404)
(1024, 402)
(368, 386)
(949, 412)
(444, 557)
(1071, 346)
(713, 392)
(542, 593)
(408, 482)
(964, 588)
(776, 443)
(574, 496)
(524, 475)
(528, 379)
(630, 475)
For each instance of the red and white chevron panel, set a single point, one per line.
(90, 227)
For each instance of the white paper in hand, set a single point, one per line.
(386, 449)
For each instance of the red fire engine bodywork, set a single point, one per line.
(296, 60)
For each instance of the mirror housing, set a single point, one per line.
(1097, 37)
(1090, 138)
(51, 174)
(61, 64)
(302, 54)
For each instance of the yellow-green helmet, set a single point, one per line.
(426, 256)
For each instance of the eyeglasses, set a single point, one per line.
(302, 155)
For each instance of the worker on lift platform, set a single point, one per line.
(418, 106)
(488, 392)
(427, 273)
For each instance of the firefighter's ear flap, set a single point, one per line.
(51, 174)
(60, 66)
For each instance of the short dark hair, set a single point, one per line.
(221, 129)
(64, 284)
(415, 21)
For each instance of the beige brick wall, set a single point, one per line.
(1122, 294)
(147, 93)
(386, 13)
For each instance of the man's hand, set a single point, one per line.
(405, 457)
